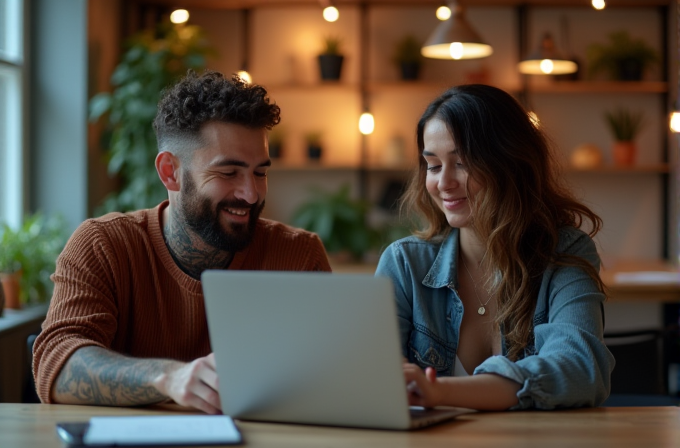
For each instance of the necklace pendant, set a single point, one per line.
(481, 310)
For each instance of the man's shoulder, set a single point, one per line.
(116, 225)
(279, 230)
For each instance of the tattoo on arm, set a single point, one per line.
(94, 375)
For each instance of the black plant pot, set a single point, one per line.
(630, 70)
(330, 66)
(314, 152)
(275, 150)
(410, 70)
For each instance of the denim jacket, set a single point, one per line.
(565, 365)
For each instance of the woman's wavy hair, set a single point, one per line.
(520, 207)
(195, 100)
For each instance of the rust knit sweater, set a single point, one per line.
(117, 287)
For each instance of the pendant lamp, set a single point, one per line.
(547, 60)
(455, 38)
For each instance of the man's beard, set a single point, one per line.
(203, 219)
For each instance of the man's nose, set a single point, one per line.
(247, 190)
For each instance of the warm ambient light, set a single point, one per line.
(547, 60)
(454, 38)
(331, 13)
(598, 4)
(245, 76)
(675, 122)
(366, 123)
(443, 13)
(179, 16)
(534, 119)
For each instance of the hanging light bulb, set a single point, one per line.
(674, 122)
(454, 38)
(443, 13)
(179, 16)
(599, 4)
(366, 123)
(331, 13)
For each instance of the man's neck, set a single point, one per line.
(190, 253)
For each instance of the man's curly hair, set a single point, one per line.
(197, 99)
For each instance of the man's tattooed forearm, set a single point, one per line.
(97, 376)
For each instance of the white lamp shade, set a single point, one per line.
(454, 38)
(547, 60)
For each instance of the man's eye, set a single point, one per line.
(228, 174)
(260, 174)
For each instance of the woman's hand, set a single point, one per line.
(422, 387)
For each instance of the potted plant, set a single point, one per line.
(275, 137)
(314, 145)
(330, 59)
(154, 59)
(340, 222)
(28, 258)
(624, 126)
(407, 56)
(624, 59)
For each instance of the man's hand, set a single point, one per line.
(422, 387)
(194, 384)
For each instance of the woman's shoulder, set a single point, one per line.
(574, 241)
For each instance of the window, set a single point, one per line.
(11, 110)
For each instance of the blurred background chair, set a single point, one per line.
(29, 394)
(640, 377)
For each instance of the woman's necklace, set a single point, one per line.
(482, 306)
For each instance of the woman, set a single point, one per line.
(498, 295)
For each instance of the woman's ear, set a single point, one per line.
(167, 166)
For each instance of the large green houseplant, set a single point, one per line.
(340, 221)
(29, 254)
(154, 60)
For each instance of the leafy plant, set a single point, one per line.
(154, 60)
(339, 220)
(407, 50)
(33, 249)
(624, 124)
(332, 45)
(622, 51)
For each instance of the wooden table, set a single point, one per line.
(32, 425)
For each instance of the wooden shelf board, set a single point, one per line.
(657, 168)
(601, 87)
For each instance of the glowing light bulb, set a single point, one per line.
(547, 66)
(245, 76)
(366, 123)
(598, 4)
(456, 50)
(675, 122)
(179, 16)
(443, 13)
(331, 13)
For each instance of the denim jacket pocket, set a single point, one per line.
(426, 350)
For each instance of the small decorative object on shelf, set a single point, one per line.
(330, 59)
(314, 145)
(624, 126)
(407, 57)
(586, 156)
(276, 143)
(624, 59)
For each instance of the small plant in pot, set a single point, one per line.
(314, 145)
(407, 57)
(624, 125)
(330, 59)
(624, 58)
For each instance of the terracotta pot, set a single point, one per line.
(624, 153)
(11, 288)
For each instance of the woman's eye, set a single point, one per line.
(434, 168)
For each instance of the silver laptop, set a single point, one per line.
(309, 347)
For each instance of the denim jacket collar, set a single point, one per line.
(444, 271)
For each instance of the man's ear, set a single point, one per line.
(167, 165)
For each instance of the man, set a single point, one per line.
(126, 325)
